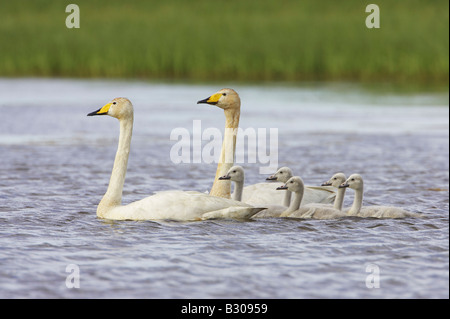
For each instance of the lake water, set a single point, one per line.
(56, 163)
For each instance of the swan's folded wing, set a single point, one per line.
(302, 212)
(233, 212)
(272, 211)
(317, 211)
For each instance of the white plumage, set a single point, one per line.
(175, 205)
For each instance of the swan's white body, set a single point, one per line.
(272, 211)
(313, 210)
(175, 205)
(385, 212)
(264, 193)
(181, 205)
(356, 183)
(267, 193)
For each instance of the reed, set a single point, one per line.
(239, 40)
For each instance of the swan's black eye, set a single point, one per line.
(224, 94)
(234, 171)
(353, 179)
(335, 178)
(114, 102)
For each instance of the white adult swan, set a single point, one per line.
(266, 193)
(355, 181)
(175, 205)
(336, 180)
(230, 102)
(260, 193)
(313, 210)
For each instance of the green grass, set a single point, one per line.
(264, 40)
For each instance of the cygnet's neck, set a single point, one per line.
(357, 202)
(287, 198)
(339, 200)
(295, 203)
(113, 195)
(238, 189)
(226, 161)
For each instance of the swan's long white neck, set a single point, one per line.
(295, 203)
(339, 200)
(113, 196)
(287, 198)
(226, 161)
(357, 202)
(238, 189)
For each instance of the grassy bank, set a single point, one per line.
(234, 40)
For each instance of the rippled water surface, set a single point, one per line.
(56, 163)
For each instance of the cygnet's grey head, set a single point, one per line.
(336, 180)
(282, 175)
(294, 184)
(235, 174)
(355, 182)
